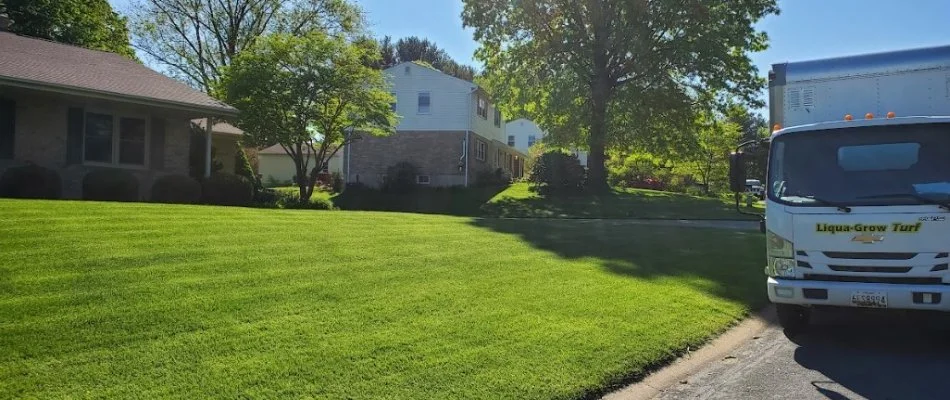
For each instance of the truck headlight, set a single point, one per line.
(781, 256)
(780, 267)
(778, 246)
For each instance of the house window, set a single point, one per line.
(425, 101)
(110, 139)
(482, 108)
(422, 179)
(480, 150)
(392, 106)
(531, 140)
(497, 118)
(511, 140)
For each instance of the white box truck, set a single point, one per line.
(858, 187)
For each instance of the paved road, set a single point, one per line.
(698, 223)
(844, 356)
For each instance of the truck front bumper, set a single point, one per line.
(904, 297)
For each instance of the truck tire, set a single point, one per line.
(794, 319)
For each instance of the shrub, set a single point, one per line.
(179, 189)
(242, 166)
(110, 185)
(226, 190)
(294, 203)
(488, 178)
(30, 182)
(557, 171)
(337, 182)
(401, 177)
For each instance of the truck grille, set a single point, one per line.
(869, 256)
(889, 270)
(873, 279)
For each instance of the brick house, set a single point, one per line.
(75, 110)
(448, 128)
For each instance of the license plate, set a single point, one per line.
(869, 299)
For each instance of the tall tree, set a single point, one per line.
(578, 64)
(413, 48)
(87, 23)
(310, 94)
(708, 155)
(193, 40)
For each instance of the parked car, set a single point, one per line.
(754, 186)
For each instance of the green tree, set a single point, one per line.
(310, 94)
(194, 40)
(593, 68)
(87, 23)
(709, 155)
(242, 166)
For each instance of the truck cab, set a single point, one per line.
(857, 208)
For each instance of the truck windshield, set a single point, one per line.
(884, 165)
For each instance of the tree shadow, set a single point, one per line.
(879, 355)
(646, 204)
(726, 263)
(444, 201)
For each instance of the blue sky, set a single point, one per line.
(806, 29)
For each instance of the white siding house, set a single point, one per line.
(522, 133)
(448, 128)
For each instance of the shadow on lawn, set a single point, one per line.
(720, 262)
(725, 263)
(446, 201)
(614, 204)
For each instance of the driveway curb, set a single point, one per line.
(689, 364)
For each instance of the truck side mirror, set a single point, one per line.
(737, 172)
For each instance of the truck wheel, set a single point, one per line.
(794, 319)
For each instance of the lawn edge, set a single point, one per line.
(683, 362)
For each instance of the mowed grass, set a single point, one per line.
(109, 300)
(520, 201)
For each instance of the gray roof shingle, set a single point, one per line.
(32, 61)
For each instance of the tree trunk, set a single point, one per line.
(597, 172)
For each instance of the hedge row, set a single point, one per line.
(35, 182)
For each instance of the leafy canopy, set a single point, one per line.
(308, 94)
(195, 39)
(605, 71)
(87, 23)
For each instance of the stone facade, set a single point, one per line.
(40, 138)
(439, 155)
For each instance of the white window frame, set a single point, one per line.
(423, 180)
(419, 106)
(511, 141)
(532, 139)
(497, 117)
(481, 108)
(116, 139)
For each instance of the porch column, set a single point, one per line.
(208, 128)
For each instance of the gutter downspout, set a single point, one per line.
(468, 132)
(208, 128)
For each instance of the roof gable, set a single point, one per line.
(46, 65)
(416, 68)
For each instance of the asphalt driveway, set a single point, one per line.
(843, 356)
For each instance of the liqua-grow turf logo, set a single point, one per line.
(898, 227)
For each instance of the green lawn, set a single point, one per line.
(317, 194)
(110, 300)
(519, 200)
